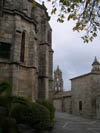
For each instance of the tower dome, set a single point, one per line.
(95, 65)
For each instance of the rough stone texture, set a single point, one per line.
(58, 104)
(33, 77)
(81, 91)
(62, 102)
(67, 104)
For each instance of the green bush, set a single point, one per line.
(3, 101)
(21, 100)
(42, 117)
(34, 115)
(22, 114)
(3, 114)
(49, 105)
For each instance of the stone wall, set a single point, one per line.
(5, 72)
(44, 33)
(62, 102)
(67, 104)
(86, 89)
(81, 96)
(33, 76)
(95, 89)
(58, 104)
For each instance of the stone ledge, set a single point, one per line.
(21, 14)
(17, 63)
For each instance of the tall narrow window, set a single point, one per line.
(22, 47)
(3, 3)
(0, 4)
(80, 105)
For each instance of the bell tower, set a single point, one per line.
(58, 81)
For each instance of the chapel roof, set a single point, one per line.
(84, 75)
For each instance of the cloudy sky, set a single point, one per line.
(70, 53)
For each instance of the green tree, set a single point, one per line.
(85, 13)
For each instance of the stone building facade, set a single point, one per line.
(84, 96)
(86, 93)
(26, 55)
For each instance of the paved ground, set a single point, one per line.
(72, 124)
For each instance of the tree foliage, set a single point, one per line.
(85, 13)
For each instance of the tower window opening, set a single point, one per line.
(3, 3)
(22, 54)
(80, 105)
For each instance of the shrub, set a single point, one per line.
(34, 115)
(3, 101)
(42, 116)
(49, 105)
(21, 100)
(3, 114)
(22, 114)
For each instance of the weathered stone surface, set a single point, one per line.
(63, 102)
(32, 77)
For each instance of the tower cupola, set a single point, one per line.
(96, 65)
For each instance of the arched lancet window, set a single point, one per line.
(3, 3)
(80, 105)
(0, 4)
(22, 47)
